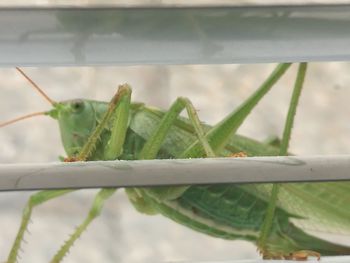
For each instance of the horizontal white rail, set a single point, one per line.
(173, 35)
(173, 172)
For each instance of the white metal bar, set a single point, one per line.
(181, 35)
(173, 172)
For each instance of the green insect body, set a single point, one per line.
(92, 130)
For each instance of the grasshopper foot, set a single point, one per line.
(238, 154)
(301, 255)
(70, 159)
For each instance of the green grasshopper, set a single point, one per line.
(265, 214)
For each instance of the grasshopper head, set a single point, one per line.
(76, 118)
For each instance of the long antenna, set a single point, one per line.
(23, 118)
(52, 102)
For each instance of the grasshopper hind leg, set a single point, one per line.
(34, 200)
(267, 226)
(94, 212)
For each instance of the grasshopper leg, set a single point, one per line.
(210, 143)
(268, 220)
(219, 135)
(35, 200)
(118, 110)
(94, 212)
(154, 143)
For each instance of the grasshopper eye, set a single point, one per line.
(77, 106)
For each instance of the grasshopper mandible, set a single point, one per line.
(262, 214)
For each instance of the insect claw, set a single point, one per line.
(71, 159)
(303, 255)
(238, 155)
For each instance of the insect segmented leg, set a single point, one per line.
(219, 135)
(94, 212)
(119, 111)
(34, 200)
(267, 224)
(153, 144)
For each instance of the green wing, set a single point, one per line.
(315, 206)
(321, 206)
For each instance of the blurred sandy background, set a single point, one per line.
(121, 234)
